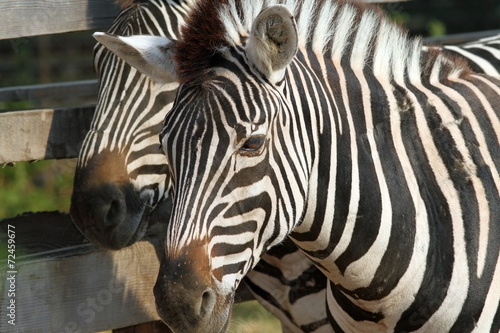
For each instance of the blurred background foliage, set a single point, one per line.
(39, 186)
(440, 17)
(47, 185)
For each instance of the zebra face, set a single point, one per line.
(105, 206)
(110, 202)
(220, 146)
(121, 169)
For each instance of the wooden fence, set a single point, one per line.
(58, 282)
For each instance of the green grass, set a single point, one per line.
(38, 186)
(251, 317)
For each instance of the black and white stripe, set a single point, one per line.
(380, 162)
(131, 107)
(289, 300)
(482, 55)
(121, 172)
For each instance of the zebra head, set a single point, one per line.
(223, 143)
(225, 152)
(121, 170)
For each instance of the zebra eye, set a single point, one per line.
(253, 144)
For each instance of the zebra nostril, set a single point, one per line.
(114, 214)
(207, 302)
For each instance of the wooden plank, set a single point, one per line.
(153, 327)
(43, 134)
(56, 91)
(22, 18)
(86, 291)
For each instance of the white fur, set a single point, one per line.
(343, 29)
(148, 54)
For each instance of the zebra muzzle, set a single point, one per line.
(187, 298)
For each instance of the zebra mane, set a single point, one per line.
(128, 3)
(327, 27)
(124, 3)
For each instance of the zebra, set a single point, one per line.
(112, 192)
(272, 110)
(121, 171)
(308, 280)
(119, 178)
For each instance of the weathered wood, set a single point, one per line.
(83, 290)
(22, 18)
(90, 292)
(152, 327)
(55, 91)
(43, 134)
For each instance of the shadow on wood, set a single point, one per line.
(152, 327)
(64, 284)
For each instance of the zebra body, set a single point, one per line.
(277, 284)
(379, 163)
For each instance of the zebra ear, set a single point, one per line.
(273, 42)
(151, 55)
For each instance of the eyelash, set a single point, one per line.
(253, 144)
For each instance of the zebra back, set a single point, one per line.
(482, 55)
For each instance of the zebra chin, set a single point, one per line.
(215, 321)
(110, 216)
(188, 297)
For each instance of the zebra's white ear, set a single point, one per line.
(151, 55)
(273, 42)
